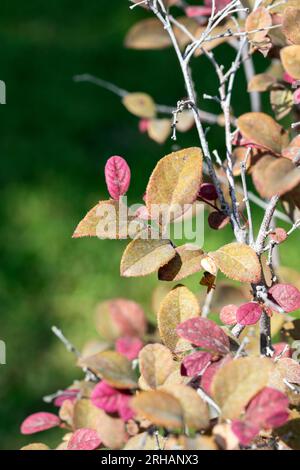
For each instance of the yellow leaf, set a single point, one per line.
(145, 256)
(291, 24)
(140, 104)
(179, 305)
(36, 446)
(290, 57)
(159, 130)
(238, 262)
(186, 262)
(237, 382)
(156, 364)
(174, 183)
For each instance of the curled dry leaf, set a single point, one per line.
(195, 410)
(117, 176)
(249, 313)
(204, 333)
(111, 366)
(238, 262)
(109, 219)
(156, 364)
(174, 184)
(38, 422)
(179, 305)
(159, 130)
(228, 314)
(120, 317)
(140, 104)
(145, 255)
(195, 363)
(259, 19)
(159, 407)
(111, 431)
(187, 261)
(291, 24)
(84, 439)
(286, 296)
(262, 130)
(237, 382)
(290, 57)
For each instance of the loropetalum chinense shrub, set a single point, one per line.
(196, 383)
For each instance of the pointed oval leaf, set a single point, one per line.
(156, 364)
(117, 176)
(249, 313)
(129, 346)
(140, 104)
(291, 24)
(290, 57)
(174, 183)
(287, 296)
(187, 261)
(114, 368)
(179, 305)
(228, 314)
(204, 333)
(84, 439)
(236, 383)
(145, 256)
(38, 422)
(259, 19)
(159, 407)
(238, 262)
(159, 130)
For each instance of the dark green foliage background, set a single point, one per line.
(55, 138)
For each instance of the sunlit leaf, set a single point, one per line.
(287, 296)
(140, 104)
(187, 261)
(38, 422)
(258, 19)
(84, 439)
(249, 313)
(291, 24)
(156, 364)
(290, 57)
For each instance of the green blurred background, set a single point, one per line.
(55, 138)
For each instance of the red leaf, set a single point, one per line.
(38, 422)
(279, 348)
(228, 314)
(217, 220)
(208, 191)
(111, 400)
(286, 296)
(84, 439)
(195, 363)
(129, 347)
(117, 176)
(267, 410)
(207, 377)
(205, 334)
(249, 313)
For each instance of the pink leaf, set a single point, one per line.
(205, 334)
(267, 410)
(105, 397)
(124, 409)
(228, 314)
(117, 176)
(191, 12)
(286, 296)
(69, 394)
(296, 96)
(84, 439)
(195, 363)
(279, 348)
(244, 431)
(287, 78)
(249, 313)
(129, 347)
(279, 235)
(144, 125)
(38, 422)
(207, 377)
(208, 191)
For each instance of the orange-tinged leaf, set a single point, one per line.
(238, 262)
(258, 19)
(156, 364)
(111, 366)
(140, 104)
(290, 57)
(237, 382)
(262, 130)
(145, 256)
(195, 410)
(174, 183)
(261, 82)
(159, 407)
(281, 176)
(187, 261)
(179, 305)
